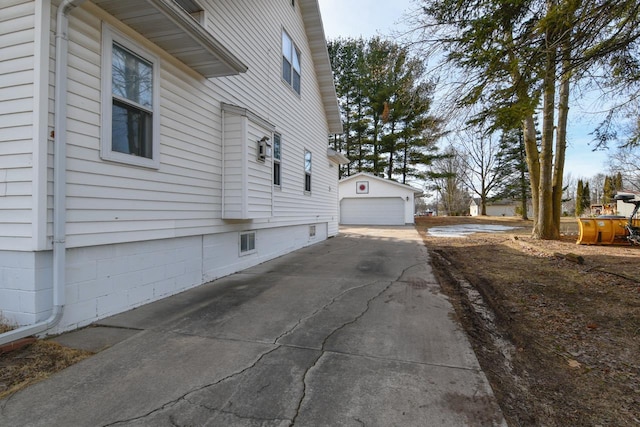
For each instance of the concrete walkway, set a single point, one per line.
(349, 332)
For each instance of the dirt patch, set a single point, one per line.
(559, 340)
(33, 363)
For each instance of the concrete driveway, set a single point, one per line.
(352, 331)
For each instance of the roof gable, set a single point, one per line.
(360, 175)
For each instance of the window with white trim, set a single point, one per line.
(290, 62)
(130, 102)
(307, 171)
(277, 158)
(247, 243)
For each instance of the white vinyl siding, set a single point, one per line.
(112, 203)
(372, 211)
(135, 234)
(299, 119)
(17, 116)
(246, 180)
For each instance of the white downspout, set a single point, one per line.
(59, 181)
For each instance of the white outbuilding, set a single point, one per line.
(366, 199)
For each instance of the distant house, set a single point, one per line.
(150, 146)
(366, 199)
(504, 207)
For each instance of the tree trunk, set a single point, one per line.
(376, 130)
(544, 228)
(523, 180)
(533, 163)
(561, 140)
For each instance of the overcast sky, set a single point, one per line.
(354, 18)
(367, 18)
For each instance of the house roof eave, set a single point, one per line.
(320, 55)
(337, 157)
(387, 181)
(166, 24)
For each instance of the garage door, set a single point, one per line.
(372, 211)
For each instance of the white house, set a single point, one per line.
(499, 208)
(366, 199)
(150, 146)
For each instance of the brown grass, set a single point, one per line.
(33, 363)
(5, 325)
(573, 329)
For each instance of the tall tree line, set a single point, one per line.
(385, 100)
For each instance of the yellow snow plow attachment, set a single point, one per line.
(604, 230)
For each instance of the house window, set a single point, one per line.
(307, 170)
(247, 243)
(130, 103)
(290, 62)
(277, 157)
(312, 231)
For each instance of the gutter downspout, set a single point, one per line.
(59, 181)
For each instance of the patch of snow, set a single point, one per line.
(462, 230)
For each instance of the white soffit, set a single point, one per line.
(169, 26)
(318, 44)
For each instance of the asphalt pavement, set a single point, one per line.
(352, 331)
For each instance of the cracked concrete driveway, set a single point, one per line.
(352, 331)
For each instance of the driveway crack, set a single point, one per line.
(323, 351)
(223, 410)
(336, 330)
(186, 395)
(319, 310)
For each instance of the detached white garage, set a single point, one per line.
(366, 199)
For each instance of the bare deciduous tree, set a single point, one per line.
(479, 157)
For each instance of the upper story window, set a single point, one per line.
(307, 170)
(290, 62)
(277, 157)
(130, 103)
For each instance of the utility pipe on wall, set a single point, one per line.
(59, 180)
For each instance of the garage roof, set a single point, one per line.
(361, 175)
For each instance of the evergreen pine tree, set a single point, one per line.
(579, 198)
(586, 199)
